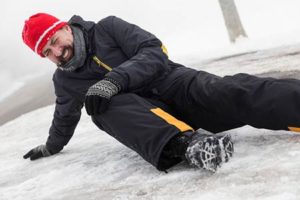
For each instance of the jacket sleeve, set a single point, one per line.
(146, 57)
(66, 117)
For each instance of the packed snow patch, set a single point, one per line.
(95, 166)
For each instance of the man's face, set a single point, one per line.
(59, 48)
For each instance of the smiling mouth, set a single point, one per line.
(66, 55)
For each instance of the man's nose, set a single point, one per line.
(56, 50)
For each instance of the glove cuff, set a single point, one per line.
(105, 88)
(44, 150)
(115, 83)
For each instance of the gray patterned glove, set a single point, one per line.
(38, 152)
(98, 96)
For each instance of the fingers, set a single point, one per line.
(27, 155)
(103, 106)
(89, 105)
(95, 105)
(36, 155)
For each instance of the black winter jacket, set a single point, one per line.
(137, 60)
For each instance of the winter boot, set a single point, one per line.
(201, 149)
(209, 151)
(226, 145)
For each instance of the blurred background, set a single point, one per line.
(192, 31)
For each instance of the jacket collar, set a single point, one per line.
(86, 27)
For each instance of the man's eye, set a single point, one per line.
(53, 41)
(46, 53)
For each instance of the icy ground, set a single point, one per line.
(93, 165)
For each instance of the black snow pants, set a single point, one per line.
(187, 99)
(144, 125)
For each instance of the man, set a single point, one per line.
(123, 76)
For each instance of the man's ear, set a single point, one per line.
(67, 28)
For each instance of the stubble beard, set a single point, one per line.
(61, 60)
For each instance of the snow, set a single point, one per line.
(281, 59)
(95, 166)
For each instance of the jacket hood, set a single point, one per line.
(86, 27)
(78, 21)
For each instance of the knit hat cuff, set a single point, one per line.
(47, 34)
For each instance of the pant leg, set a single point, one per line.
(141, 126)
(204, 100)
(244, 99)
(191, 94)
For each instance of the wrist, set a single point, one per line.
(44, 150)
(117, 85)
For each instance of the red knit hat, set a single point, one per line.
(38, 29)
